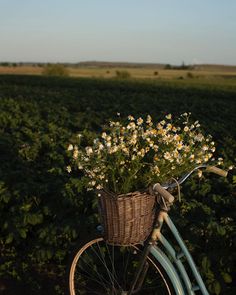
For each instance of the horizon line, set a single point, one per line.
(115, 62)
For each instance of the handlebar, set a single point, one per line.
(217, 170)
(162, 188)
(162, 191)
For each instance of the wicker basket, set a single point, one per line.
(127, 219)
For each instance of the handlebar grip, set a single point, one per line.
(217, 170)
(158, 188)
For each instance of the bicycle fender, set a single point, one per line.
(169, 268)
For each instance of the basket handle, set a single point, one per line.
(165, 194)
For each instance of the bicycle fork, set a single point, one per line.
(141, 272)
(144, 265)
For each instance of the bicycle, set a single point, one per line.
(154, 267)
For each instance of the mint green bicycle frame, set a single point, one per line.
(177, 274)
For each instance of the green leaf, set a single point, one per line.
(22, 232)
(34, 219)
(217, 288)
(227, 277)
(9, 238)
(234, 179)
(221, 230)
(26, 207)
(206, 264)
(43, 234)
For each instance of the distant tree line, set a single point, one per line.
(9, 64)
(180, 67)
(20, 64)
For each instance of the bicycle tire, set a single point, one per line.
(100, 268)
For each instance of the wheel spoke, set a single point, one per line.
(101, 268)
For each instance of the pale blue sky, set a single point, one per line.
(165, 31)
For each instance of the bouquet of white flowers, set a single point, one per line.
(131, 155)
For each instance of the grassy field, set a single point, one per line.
(202, 73)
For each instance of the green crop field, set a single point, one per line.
(44, 211)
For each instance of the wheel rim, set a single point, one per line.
(99, 268)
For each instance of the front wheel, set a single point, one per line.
(101, 268)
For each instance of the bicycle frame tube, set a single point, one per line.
(157, 235)
(180, 266)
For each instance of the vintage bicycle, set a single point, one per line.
(152, 267)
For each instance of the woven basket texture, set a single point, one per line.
(127, 219)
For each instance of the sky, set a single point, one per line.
(146, 31)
